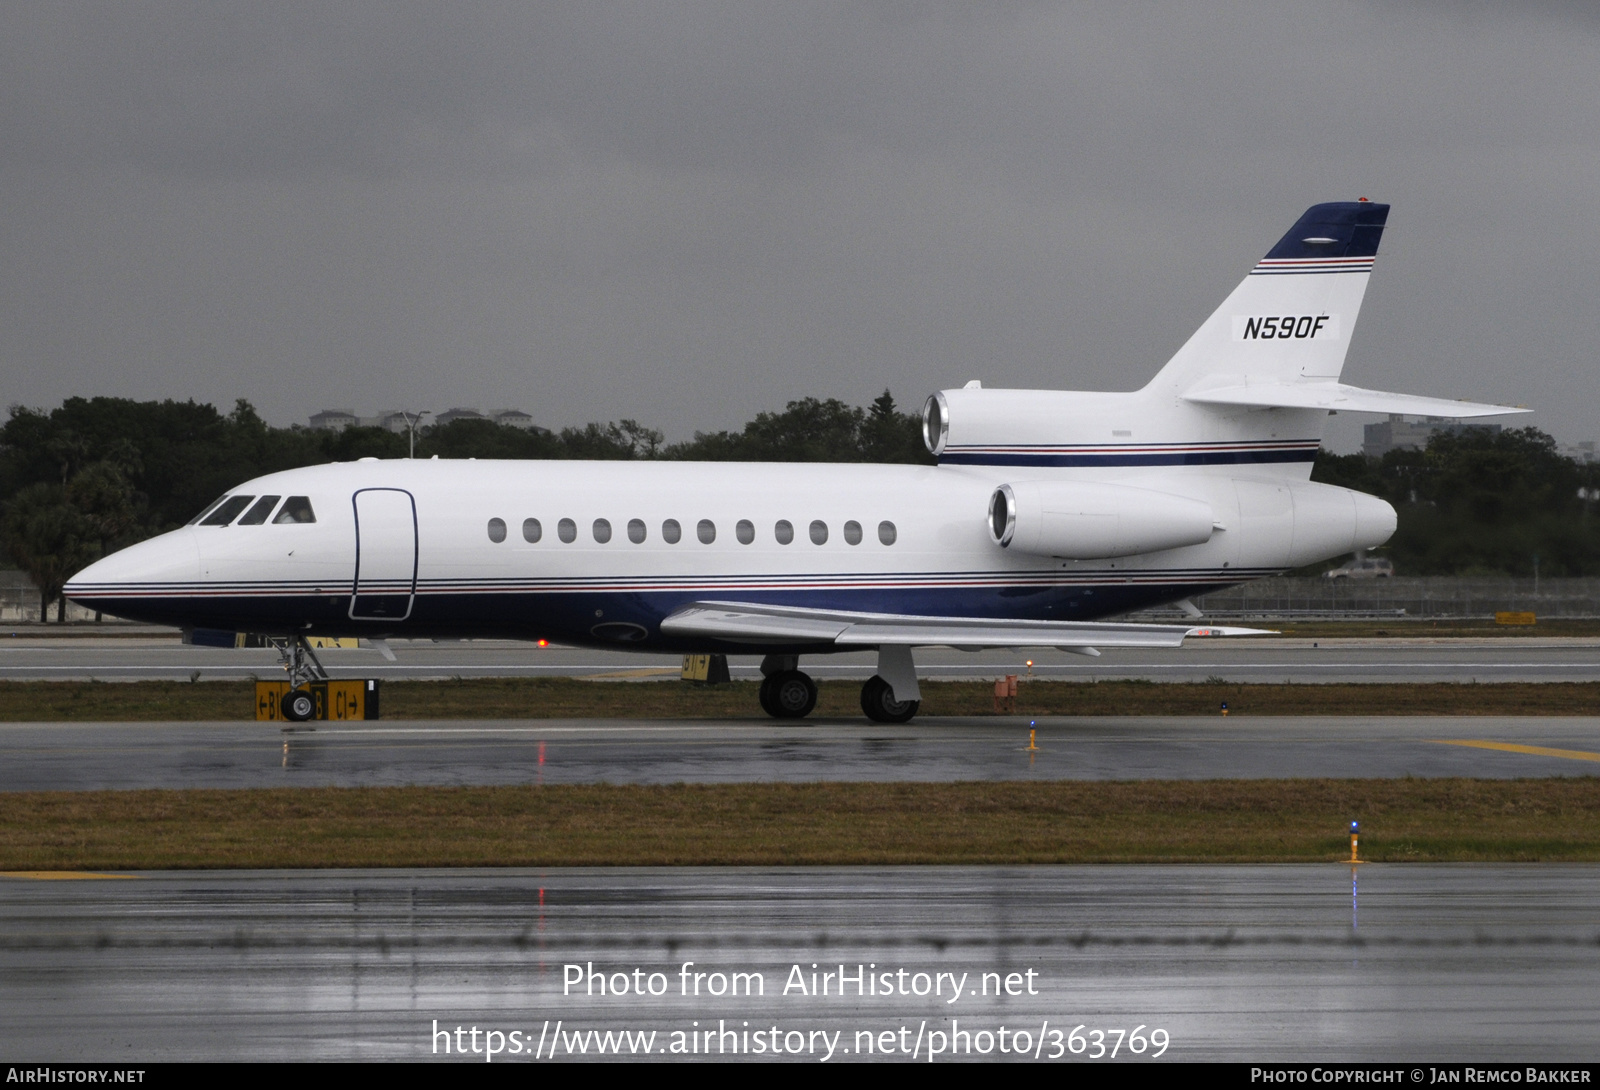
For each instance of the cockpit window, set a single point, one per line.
(258, 514)
(207, 509)
(226, 511)
(295, 509)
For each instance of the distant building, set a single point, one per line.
(1582, 453)
(514, 418)
(395, 420)
(1397, 433)
(400, 420)
(450, 416)
(334, 420)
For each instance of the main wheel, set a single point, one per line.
(877, 700)
(764, 695)
(298, 706)
(790, 694)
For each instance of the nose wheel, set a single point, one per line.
(298, 706)
(788, 694)
(303, 667)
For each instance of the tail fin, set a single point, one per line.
(1291, 318)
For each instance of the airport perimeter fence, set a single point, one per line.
(1417, 597)
(19, 601)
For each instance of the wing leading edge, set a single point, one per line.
(754, 623)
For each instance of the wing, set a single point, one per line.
(754, 623)
(1342, 398)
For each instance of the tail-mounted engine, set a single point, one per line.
(1084, 521)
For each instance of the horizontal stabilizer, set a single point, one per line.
(1338, 397)
(754, 623)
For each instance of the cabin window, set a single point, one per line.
(852, 532)
(531, 530)
(227, 511)
(207, 509)
(602, 530)
(745, 531)
(636, 531)
(295, 509)
(706, 531)
(886, 533)
(497, 530)
(567, 531)
(258, 514)
(783, 531)
(819, 532)
(671, 532)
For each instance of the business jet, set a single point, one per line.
(1048, 511)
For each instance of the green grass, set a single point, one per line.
(1232, 821)
(549, 698)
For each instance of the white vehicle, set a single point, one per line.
(1366, 568)
(1048, 511)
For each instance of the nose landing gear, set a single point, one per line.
(303, 667)
(298, 706)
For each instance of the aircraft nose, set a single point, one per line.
(157, 567)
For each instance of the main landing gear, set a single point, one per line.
(889, 696)
(303, 667)
(786, 693)
(877, 700)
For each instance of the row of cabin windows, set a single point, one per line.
(705, 530)
(225, 510)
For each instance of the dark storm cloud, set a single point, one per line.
(688, 212)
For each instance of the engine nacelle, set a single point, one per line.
(973, 415)
(1080, 520)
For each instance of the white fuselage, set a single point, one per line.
(922, 545)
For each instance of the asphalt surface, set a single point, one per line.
(1258, 659)
(1444, 963)
(86, 756)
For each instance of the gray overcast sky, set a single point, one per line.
(689, 212)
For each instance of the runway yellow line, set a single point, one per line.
(1537, 751)
(58, 875)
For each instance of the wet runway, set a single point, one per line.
(83, 756)
(1287, 963)
(1243, 659)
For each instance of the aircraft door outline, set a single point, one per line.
(382, 541)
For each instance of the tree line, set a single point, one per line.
(1480, 503)
(100, 473)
